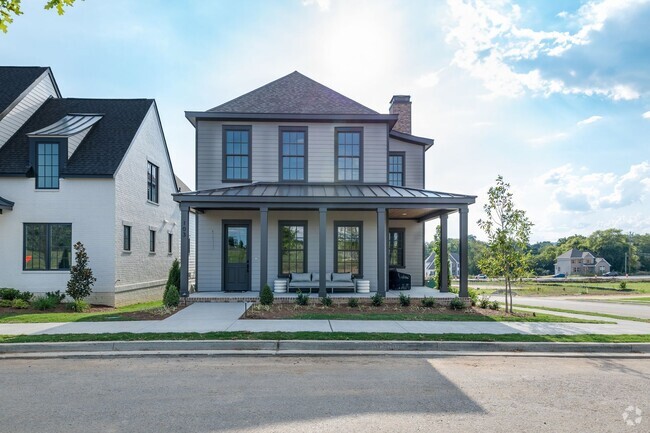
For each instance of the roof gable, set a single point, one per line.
(15, 80)
(293, 94)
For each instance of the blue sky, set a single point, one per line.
(552, 95)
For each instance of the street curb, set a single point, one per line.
(279, 347)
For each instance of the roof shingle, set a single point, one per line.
(14, 80)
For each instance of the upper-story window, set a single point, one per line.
(293, 154)
(349, 154)
(396, 168)
(47, 165)
(152, 182)
(237, 153)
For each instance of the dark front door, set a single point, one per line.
(236, 267)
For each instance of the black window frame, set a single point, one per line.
(290, 223)
(152, 241)
(224, 153)
(281, 130)
(48, 247)
(170, 243)
(126, 237)
(359, 225)
(401, 237)
(403, 171)
(338, 130)
(153, 185)
(62, 149)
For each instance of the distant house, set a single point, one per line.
(576, 262)
(454, 265)
(90, 170)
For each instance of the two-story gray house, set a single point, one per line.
(295, 180)
(576, 262)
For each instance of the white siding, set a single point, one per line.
(75, 140)
(265, 152)
(413, 249)
(139, 269)
(25, 108)
(87, 204)
(413, 164)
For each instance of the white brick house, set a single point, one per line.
(90, 170)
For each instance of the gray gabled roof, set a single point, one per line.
(293, 94)
(571, 254)
(426, 142)
(15, 81)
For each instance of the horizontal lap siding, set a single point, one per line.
(414, 163)
(413, 249)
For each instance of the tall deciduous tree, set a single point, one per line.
(11, 8)
(508, 231)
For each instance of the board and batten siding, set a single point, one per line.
(413, 249)
(265, 152)
(413, 164)
(25, 108)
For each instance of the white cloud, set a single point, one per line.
(646, 115)
(589, 120)
(428, 80)
(545, 139)
(323, 5)
(492, 45)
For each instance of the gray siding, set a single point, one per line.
(414, 163)
(265, 152)
(25, 108)
(413, 249)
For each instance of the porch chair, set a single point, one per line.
(398, 280)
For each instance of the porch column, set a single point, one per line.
(322, 252)
(185, 249)
(382, 253)
(463, 246)
(264, 246)
(444, 255)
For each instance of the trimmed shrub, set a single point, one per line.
(43, 303)
(78, 305)
(19, 304)
(326, 301)
(266, 295)
(81, 276)
(473, 296)
(484, 302)
(56, 295)
(9, 294)
(302, 298)
(174, 275)
(622, 285)
(404, 300)
(172, 297)
(428, 302)
(494, 305)
(353, 303)
(5, 303)
(25, 296)
(376, 300)
(456, 304)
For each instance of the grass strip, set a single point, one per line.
(586, 313)
(358, 336)
(103, 316)
(441, 317)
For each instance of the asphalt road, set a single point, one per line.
(330, 394)
(591, 305)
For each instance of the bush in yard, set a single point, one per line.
(353, 302)
(376, 300)
(79, 305)
(19, 304)
(25, 296)
(172, 297)
(266, 295)
(5, 303)
(43, 303)
(9, 294)
(428, 302)
(302, 298)
(484, 302)
(473, 295)
(81, 276)
(326, 301)
(174, 276)
(56, 295)
(404, 300)
(456, 304)
(622, 285)
(494, 305)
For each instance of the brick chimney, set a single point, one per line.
(401, 105)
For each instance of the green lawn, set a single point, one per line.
(16, 316)
(645, 300)
(587, 338)
(555, 288)
(525, 317)
(586, 313)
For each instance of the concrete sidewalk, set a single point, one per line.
(214, 317)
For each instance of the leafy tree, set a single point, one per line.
(543, 255)
(578, 242)
(642, 245)
(81, 281)
(612, 245)
(508, 232)
(12, 7)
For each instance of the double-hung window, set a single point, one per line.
(47, 165)
(349, 154)
(47, 247)
(293, 154)
(292, 242)
(348, 241)
(396, 168)
(396, 247)
(152, 182)
(237, 153)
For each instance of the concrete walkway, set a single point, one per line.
(209, 317)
